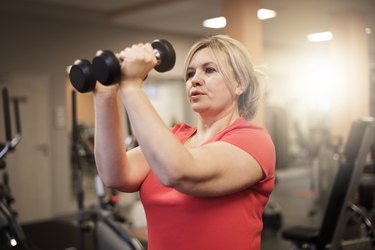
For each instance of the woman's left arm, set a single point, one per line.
(210, 170)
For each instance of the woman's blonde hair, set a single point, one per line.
(230, 52)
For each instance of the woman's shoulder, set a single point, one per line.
(253, 139)
(180, 126)
(183, 130)
(241, 125)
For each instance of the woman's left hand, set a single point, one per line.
(136, 62)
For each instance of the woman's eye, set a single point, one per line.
(210, 70)
(190, 74)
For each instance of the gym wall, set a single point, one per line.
(33, 46)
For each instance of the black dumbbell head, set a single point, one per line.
(106, 67)
(166, 55)
(81, 76)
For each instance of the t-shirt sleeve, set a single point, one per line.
(182, 131)
(256, 142)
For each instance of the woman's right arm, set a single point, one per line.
(117, 168)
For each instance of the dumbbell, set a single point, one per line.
(81, 76)
(107, 69)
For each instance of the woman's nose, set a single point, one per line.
(197, 79)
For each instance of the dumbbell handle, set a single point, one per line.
(157, 55)
(155, 51)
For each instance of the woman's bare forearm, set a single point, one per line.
(165, 154)
(110, 152)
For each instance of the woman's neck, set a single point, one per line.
(207, 127)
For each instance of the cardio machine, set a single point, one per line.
(12, 236)
(108, 227)
(340, 208)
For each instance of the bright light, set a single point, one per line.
(13, 242)
(368, 31)
(320, 85)
(266, 14)
(320, 37)
(215, 23)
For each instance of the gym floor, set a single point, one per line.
(292, 193)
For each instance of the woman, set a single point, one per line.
(202, 187)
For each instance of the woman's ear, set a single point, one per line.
(240, 89)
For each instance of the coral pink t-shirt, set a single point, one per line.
(177, 221)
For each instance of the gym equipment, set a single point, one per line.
(11, 233)
(366, 190)
(81, 76)
(106, 68)
(272, 216)
(103, 219)
(330, 235)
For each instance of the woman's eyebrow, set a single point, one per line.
(202, 65)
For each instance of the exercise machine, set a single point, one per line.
(340, 208)
(12, 236)
(108, 227)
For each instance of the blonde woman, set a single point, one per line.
(202, 187)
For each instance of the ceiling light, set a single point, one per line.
(215, 23)
(368, 31)
(265, 14)
(320, 37)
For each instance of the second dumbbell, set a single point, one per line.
(107, 70)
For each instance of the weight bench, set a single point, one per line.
(336, 215)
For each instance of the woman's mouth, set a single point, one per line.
(195, 93)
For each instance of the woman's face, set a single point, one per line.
(209, 93)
